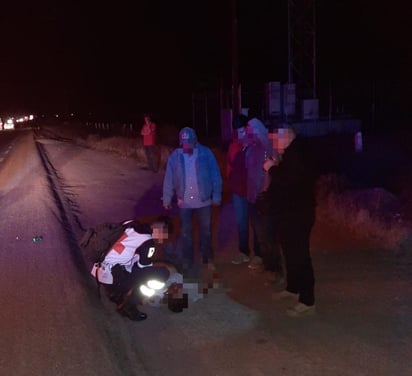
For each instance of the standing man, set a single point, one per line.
(237, 179)
(255, 212)
(292, 203)
(193, 176)
(149, 142)
(257, 147)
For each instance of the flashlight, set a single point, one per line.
(151, 286)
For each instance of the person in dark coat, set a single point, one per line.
(291, 196)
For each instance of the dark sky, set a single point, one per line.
(128, 57)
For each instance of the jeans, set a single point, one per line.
(241, 208)
(246, 212)
(150, 151)
(205, 233)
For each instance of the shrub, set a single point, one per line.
(373, 213)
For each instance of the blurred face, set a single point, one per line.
(249, 135)
(282, 139)
(188, 147)
(159, 232)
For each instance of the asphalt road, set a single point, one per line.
(52, 322)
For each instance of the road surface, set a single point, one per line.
(52, 322)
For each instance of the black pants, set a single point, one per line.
(125, 287)
(294, 236)
(270, 249)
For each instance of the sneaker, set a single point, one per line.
(301, 310)
(240, 259)
(256, 263)
(274, 279)
(284, 294)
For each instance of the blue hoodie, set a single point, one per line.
(257, 148)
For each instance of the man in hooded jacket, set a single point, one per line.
(257, 147)
(193, 176)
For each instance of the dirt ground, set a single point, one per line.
(364, 305)
(363, 299)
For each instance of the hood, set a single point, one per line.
(261, 133)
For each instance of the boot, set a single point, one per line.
(131, 311)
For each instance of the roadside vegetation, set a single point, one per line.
(372, 213)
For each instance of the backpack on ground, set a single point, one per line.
(97, 241)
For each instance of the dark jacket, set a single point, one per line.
(291, 191)
(236, 168)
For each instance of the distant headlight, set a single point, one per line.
(9, 124)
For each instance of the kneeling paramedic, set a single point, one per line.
(127, 271)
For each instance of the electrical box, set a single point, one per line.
(289, 99)
(273, 98)
(310, 109)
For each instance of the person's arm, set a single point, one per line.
(289, 171)
(168, 189)
(145, 251)
(216, 180)
(233, 149)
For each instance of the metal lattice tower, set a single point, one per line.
(302, 47)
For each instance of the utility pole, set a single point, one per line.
(302, 46)
(236, 103)
(290, 52)
(314, 78)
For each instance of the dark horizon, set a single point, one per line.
(124, 60)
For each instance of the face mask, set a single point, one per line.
(188, 148)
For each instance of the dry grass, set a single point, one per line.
(363, 218)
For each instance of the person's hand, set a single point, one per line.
(167, 206)
(268, 164)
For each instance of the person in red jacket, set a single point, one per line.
(236, 173)
(149, 142)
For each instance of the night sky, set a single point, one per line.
(128, 57)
